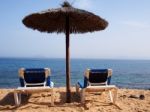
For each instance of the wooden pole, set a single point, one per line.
(68, 90)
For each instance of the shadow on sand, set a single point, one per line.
(8, 103)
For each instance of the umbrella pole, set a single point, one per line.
(68, 90)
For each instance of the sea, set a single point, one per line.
(126, 73)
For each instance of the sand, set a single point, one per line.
(95, 102)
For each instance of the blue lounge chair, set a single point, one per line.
(34, 80)
(96, 80)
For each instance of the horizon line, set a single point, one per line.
(74, 58)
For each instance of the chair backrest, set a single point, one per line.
(98, 76)
(34, 77)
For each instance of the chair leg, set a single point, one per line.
(110, 95)
(17, 98)
(83, 96)
(52, 98)
(77, 88)
(115, 95)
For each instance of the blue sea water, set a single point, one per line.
(126, 73)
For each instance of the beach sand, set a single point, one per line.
(95, 102)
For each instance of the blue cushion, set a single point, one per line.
(36, 75)
(98, 75)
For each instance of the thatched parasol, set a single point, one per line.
(66, 19)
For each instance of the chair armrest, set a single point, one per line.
(83, 83)
(21, 82)
(80, 83)
(109, 80)
(49, 82)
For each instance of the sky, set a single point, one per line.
(126, 37)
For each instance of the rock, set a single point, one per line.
(133, 96)
(141, 97)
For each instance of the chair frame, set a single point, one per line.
(29, 90)
(101, 87)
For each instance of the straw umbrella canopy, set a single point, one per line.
(66, 19)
